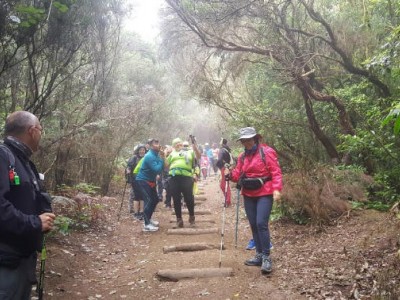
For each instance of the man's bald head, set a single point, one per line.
(26, 127)
(18, 122)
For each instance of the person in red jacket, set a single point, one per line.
(260, 177)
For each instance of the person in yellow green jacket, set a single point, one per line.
(181, 164)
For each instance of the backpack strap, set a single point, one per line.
(10, 155)
(12, 175)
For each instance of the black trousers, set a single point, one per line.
(16, 283)
(182, 185)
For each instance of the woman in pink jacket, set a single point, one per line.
(259, 175)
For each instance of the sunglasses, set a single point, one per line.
(245, 140)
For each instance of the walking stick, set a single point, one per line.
(237, 216)
(223, 224)
(43, 257)
(122, 201)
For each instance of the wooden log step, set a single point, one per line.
(191, 247)
(197, 221)
(191, 231)
(196, 212)
(200, 198)
(176, 275)
(200, 192)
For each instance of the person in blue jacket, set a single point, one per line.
(25, 209)
(153, 164)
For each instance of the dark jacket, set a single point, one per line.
(130, 166)
(224, 156)
(20, 205)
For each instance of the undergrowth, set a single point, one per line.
(77, 208)
(321, 195)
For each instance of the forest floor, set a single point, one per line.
(355, 259)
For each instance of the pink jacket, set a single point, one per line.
(254, 166)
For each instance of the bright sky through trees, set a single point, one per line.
(144, 18)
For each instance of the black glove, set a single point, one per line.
(228, 177)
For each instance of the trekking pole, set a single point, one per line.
(237, 216)
(43, 257)
(223, 224)
(122, 201)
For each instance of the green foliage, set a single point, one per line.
(82, 187)
(277, 212)
(387, 187)
(63, 224)
(87, 188)
(295, 214)
(376, 205)
(393, 117)
(30, 15)
(60, 6)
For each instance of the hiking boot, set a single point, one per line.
(140, 216)
(154, 223)
(136, 216)
(266, 266)
(254, 261)
(149, 227)
(179, 223)
(251, 245)
(192, 221)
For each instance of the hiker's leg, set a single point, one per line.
(176, 195)
(131, 200)
(187, 191)
(168, 194)
(141, 206)
(154, 201)
(264, 208)
(146, 193)
(250, 206)
(222, 185)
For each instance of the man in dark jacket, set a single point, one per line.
(136, 204)
(24, 210)
(224, 158)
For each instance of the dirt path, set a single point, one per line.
(120, 261)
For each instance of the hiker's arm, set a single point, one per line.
(196, 151)
(274, 169)
(236, 172)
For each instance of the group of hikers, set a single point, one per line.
(176, 168)
(179, 171)
(25, 207)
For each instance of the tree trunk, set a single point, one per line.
(175, 275)
(192, 231)
(61, 164)
(190, 247)
(321, 136)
